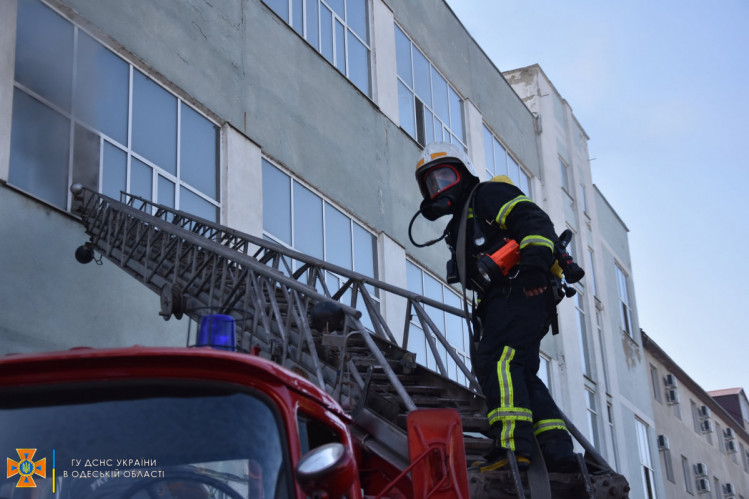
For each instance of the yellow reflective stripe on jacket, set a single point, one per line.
(502, 414)
(505, 210)
(536, 240)
(548, 424)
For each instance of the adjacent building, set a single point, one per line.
(299, 121)
(702, 439)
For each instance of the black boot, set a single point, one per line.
(556, 447)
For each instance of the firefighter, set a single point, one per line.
(513, 314)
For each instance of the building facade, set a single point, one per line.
(299, 121)
(702, 441)
(599, 354)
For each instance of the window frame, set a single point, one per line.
(491, 145)
(336, 20)
(80, 129)
(420, 136)
(625, 309)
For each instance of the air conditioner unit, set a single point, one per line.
(700, 469)
(730, 446)
(728, 433)
(670, 381)
(672, 396)
(706, 426)
(729, 489)
(663, 442)
(704, 412)
(703, 485)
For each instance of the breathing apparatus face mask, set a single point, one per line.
(440, 187)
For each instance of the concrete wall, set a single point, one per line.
(49, 301)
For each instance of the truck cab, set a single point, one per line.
(168, 423)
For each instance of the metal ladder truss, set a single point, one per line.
(285, 311)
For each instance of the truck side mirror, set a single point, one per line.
(327, 471)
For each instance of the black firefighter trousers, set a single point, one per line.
(506, 363)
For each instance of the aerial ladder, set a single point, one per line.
(284, 311)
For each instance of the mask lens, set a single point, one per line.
(440, 178)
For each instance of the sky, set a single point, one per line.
(662, 90)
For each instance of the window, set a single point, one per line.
(501, 162)
(625, 311)
(452, 326)
(643, 444)
(338, 29)
(612, 433)
(602, 346)
(592, 275)
(688, 486)
(696, 419)
(583, 199)
(592, 410)
(564, 172)
(297, 217)
(430, 109)
(83, 114)
(744, 457)
(582, 334)
(656, 383)
(668, 465)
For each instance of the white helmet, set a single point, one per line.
(442, 165)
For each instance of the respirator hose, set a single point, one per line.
(428, 243)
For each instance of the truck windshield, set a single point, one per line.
(141, 442)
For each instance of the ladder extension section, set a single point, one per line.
(199, 267)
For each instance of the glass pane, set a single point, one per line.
(86, 147)
(326, 33)
(406, 109)
(280, 7)
(428, 126)
(365, 249)
(276, 203)
(114, 171)
(101, 90)
(192, 203)
(141, 179)
(500, 155)
(307, 222)
(337, 237)
(165, 192)
(441, 107)
(358, 63)
(525, 184)
(44, 52)
(196, 438)
(199, 152)
(39, 149)
(513, 170)
(413, 278)
(313, 31)
(337, 6)
(489, 152)
(456, 114)
(340, 47)
(356, 17)
(297, 21)
(403, 56)
(154, 124)
(422, 84)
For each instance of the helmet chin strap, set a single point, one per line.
(428, 243)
